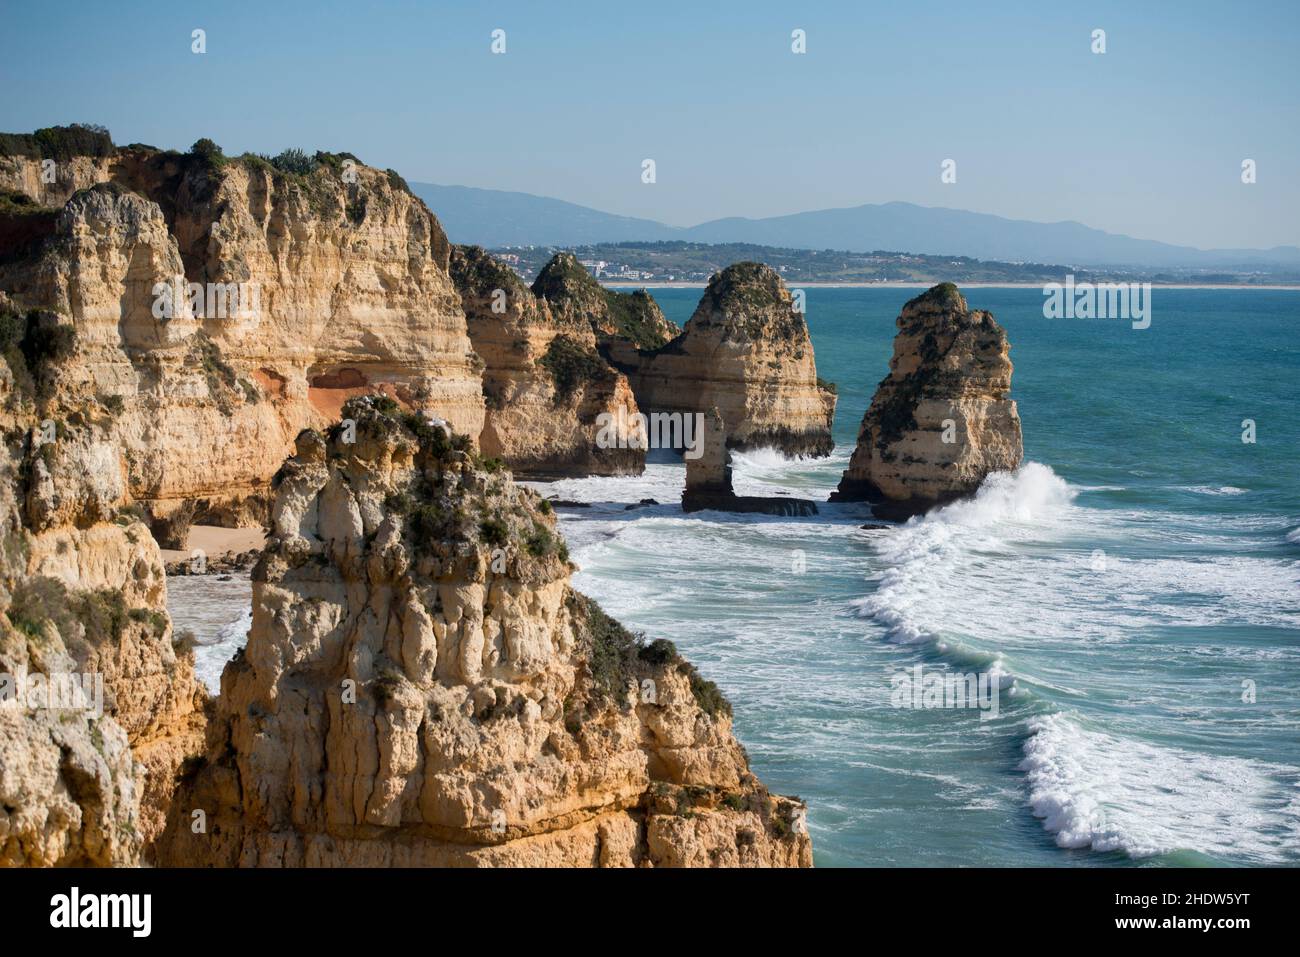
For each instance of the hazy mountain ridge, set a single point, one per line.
(500, 218)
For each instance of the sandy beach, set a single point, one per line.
(216, 542)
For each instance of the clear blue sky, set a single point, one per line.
(1147, 139)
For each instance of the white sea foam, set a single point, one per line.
(1005, 582)
(926, 554)
(1018, 564)
(1213, 489)
(1096, 790)
(217, 610)
(210, 657)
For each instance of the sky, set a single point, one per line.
(1147, 139)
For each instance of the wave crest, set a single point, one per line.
(928, 550)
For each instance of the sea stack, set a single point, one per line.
(943, 418)
(544, 383)
(623, 322)
(708, 479)
(746, 352)
(422, 686)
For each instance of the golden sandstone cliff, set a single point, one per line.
(85, 778)
(943, 418)
(746, 352)
(498, 716)
(544, 383)
(422, 686)
(317, 282)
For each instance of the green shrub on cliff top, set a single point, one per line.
(208, 151)
(294, 161)
(636, 316)
(611, 653)
(572, 366)
(59, 142)
(617, 657)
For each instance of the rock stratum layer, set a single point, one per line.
(544, 383)
(422, 686)
(746, 352)
(943, 418)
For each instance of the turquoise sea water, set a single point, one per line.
(1121, 587)
(1125, 587)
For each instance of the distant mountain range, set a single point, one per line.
(495, 218)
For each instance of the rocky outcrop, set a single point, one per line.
(69, 785)
(745, 351)
(708, 479)
(623, 322)
(83, 780)
(320, 281)
(943, 418)
(545, 385)
(422, 686)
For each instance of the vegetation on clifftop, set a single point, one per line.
(573, 366)
(59, 142)
(573, 292)
(618, 659)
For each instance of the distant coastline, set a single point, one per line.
(795, 284)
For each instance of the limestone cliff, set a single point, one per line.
(422, 686)
(544, 383)
(745, 351)
(83, 597)
(342, 284)
(623, 322)
(943, 418)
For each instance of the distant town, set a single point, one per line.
(686, 262)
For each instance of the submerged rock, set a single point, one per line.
(422, 686)
(943, 418)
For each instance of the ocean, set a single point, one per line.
(1133, 590)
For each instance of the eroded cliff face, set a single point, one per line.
(83, 781)
(345, 288)
(545, 385)
(746, 352)
(943, 418)
(422, 686)
(623, 322)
